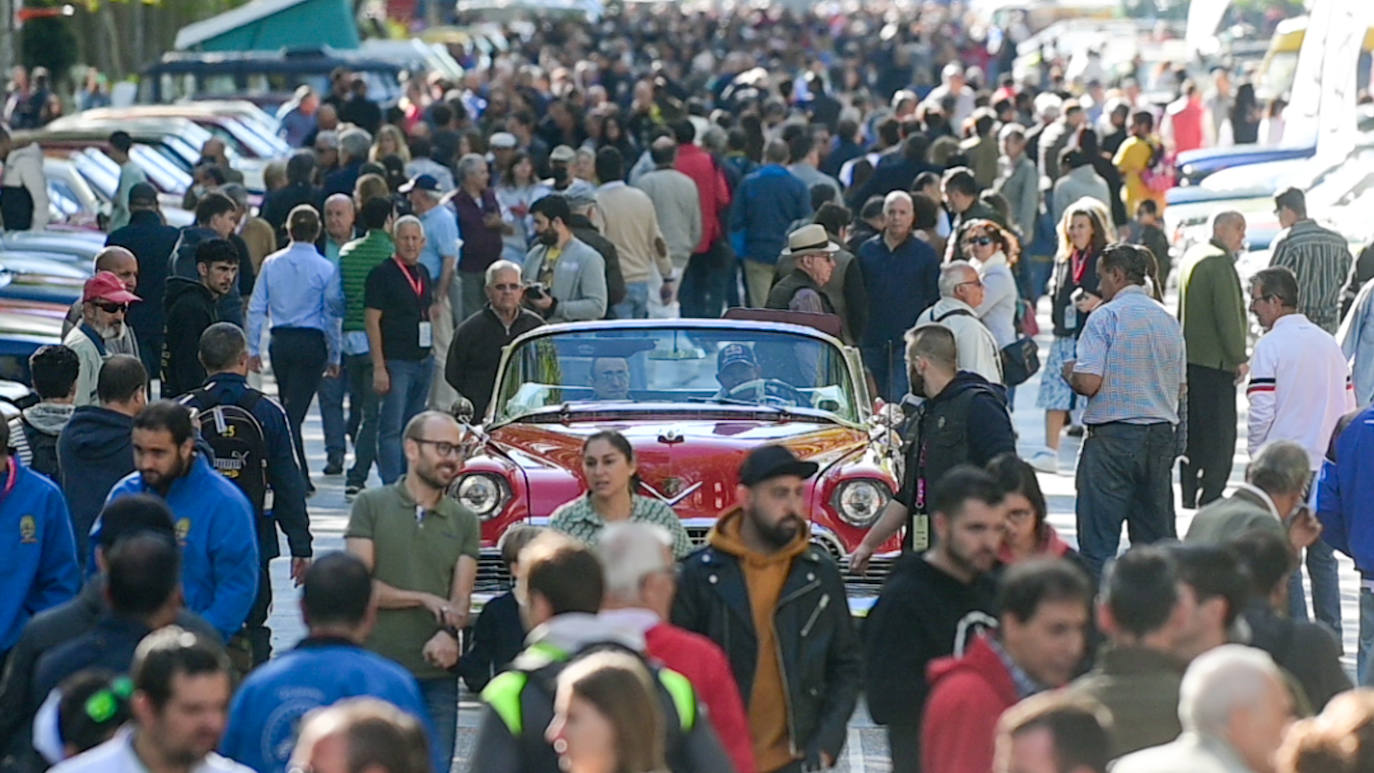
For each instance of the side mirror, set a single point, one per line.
(462, 410)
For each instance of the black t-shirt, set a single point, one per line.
(390, 290)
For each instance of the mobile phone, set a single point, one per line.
(535, 291)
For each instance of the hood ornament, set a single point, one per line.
(670, 436)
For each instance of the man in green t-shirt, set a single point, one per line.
(421, 548)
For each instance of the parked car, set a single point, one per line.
(20, 336)
(226, 120)
(690, 432)
(267, 78)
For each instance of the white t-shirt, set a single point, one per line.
(117, 756)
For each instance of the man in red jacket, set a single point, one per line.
(1044, 616)
(641, 578)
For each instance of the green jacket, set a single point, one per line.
(1225, 519)
(1211, 308)
(1139, 686)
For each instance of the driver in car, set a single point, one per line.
(735, 367)
(610, 379)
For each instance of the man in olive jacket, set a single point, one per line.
(1211, 309)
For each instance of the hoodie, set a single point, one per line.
(182, 263)
(94, 451)
(35, 432)
(922, 614)
(191, 308)
(24, 200)
(764, 576)
(967, 696)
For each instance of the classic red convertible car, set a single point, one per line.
(693, 397)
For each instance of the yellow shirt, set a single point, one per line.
(551, 256)
(1133, 158)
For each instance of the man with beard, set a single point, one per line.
(776, 604)
(212, 519)
(180, 701)
(421, 548)
(104, 302)
(192, 306)
(963, 420)
(931, 606)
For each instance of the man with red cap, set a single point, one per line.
(104, 302)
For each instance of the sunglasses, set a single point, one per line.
(111, 308)
(981, 241)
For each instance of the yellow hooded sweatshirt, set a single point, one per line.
(764, 576)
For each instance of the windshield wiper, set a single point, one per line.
(732, 401)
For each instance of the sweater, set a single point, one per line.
(766, 204)
(632, 226)
(967, 695)
(712, 192)
(1299, 387)
(678, 207)
(1211, 308)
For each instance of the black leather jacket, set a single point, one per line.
(819, 649)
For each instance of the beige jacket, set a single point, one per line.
(631, 224)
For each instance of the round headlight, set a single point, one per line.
(859, 502)
(484, 495)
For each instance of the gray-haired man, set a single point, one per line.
(475, 352)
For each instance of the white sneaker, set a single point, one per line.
(1045, 460)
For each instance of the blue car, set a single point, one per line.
(1195, 165)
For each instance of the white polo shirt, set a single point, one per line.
(1299, 387)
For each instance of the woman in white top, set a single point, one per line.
(993, 251)
(517, 191)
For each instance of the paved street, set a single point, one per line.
(867, 748)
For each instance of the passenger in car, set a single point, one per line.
(610, 378)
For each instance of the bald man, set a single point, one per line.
(124, 265)
(1211, 308)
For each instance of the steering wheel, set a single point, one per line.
(767, 391)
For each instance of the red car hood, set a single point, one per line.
(693, 464)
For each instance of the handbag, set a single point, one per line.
(1020, 361)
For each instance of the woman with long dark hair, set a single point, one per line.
(611, 474)
(1028, 534)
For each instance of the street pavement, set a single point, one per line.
(866, 749)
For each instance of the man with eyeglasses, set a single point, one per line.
(961, 293)
(104, 302)
(1299, 389)
(800, 289)
(421, 548)
(475, 352)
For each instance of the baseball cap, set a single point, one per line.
(502, 141)
(563, 153)
(580, 194)
(731, 354)
(771, 461)
(142, 193)
(423, 182)
(105, 286)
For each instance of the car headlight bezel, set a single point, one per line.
(485, 494)
(860, 501)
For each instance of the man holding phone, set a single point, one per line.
(565, 280)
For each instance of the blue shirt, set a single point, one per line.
(37, 550)
(218, 537)
(1136, 346)
(267, 709)
(903, 282)
(441, 239)
(297, 287)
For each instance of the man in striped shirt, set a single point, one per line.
(1299, 389)
(1319, 257)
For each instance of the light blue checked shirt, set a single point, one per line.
(1136, 346)
(297, 287)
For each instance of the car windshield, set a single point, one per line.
(644, 367)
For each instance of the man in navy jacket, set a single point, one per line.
(37, 550)
(329, 665)
(212, 518)
(766, 205)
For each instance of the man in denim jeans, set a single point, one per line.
(400, 335)
(1130, 366)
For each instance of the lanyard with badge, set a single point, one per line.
(417, 284)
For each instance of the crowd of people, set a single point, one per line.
(893, 175)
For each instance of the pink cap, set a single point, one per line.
(105, 286)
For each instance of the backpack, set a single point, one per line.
(239, 443)
(43, 448)
(1020, 358)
